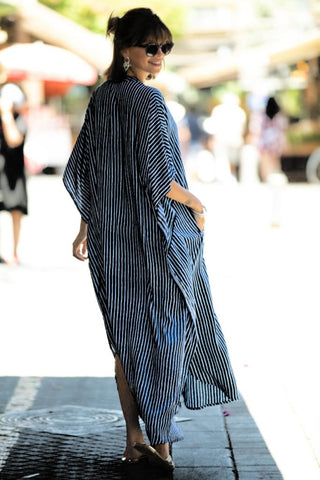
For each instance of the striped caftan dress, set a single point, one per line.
(145, 256)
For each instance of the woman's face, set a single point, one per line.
(141, 65)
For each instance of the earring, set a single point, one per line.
(126, 64)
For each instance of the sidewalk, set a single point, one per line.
(265, 285)
(73, 429)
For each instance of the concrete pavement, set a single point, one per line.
(265, 288)
(72, 428)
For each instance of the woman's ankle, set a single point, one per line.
(135, 437)
(162, 449)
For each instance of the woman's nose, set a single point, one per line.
(159, 52)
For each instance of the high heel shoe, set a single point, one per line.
(154, 458)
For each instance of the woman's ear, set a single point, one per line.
(125, 53)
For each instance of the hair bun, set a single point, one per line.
(113, 25)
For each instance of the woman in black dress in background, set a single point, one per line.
(13, 192)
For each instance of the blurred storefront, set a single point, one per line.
(40, 50)
(265, 49)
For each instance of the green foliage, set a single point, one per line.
(83, 12)
(6, 9)
(228, 87)
(292, 103)
(263, 10)
(297, 138)
(271, 8)
(93, 15)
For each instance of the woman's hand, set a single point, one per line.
(79, 246)
(182, 195)
(200, 221)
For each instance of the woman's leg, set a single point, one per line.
(130, 412)
(131, 416)
(269, 164)
(16, 216)
(163, 450)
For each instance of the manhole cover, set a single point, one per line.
(67, 419)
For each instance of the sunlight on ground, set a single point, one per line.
(265, 290)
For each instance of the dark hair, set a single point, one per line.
(137, 26)
(272, 108)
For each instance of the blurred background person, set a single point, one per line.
(196, 132)
(249, 161)
(205, 160)
(12, 171)
(228, 124)
(272, 139)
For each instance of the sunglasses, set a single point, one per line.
(153, 48)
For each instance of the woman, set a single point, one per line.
(144, 231)
(272, 139)
(12, 172)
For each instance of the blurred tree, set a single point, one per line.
(272, 8)
(93, 15)
(292, 103)
(6, 9)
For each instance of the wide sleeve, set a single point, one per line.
(156, 156)
(76, 177)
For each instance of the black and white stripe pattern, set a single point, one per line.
(145, 256)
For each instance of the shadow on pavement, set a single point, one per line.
(74, 430)
(48, 456)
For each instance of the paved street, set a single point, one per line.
(75, 430)
(265, 284)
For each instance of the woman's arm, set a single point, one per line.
(79, 246)
(181, 195)
(10, 131)
(177, 193)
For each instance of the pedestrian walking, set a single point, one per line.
(13, 192)
(272, 139)
(143, 231)
(227, 123)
